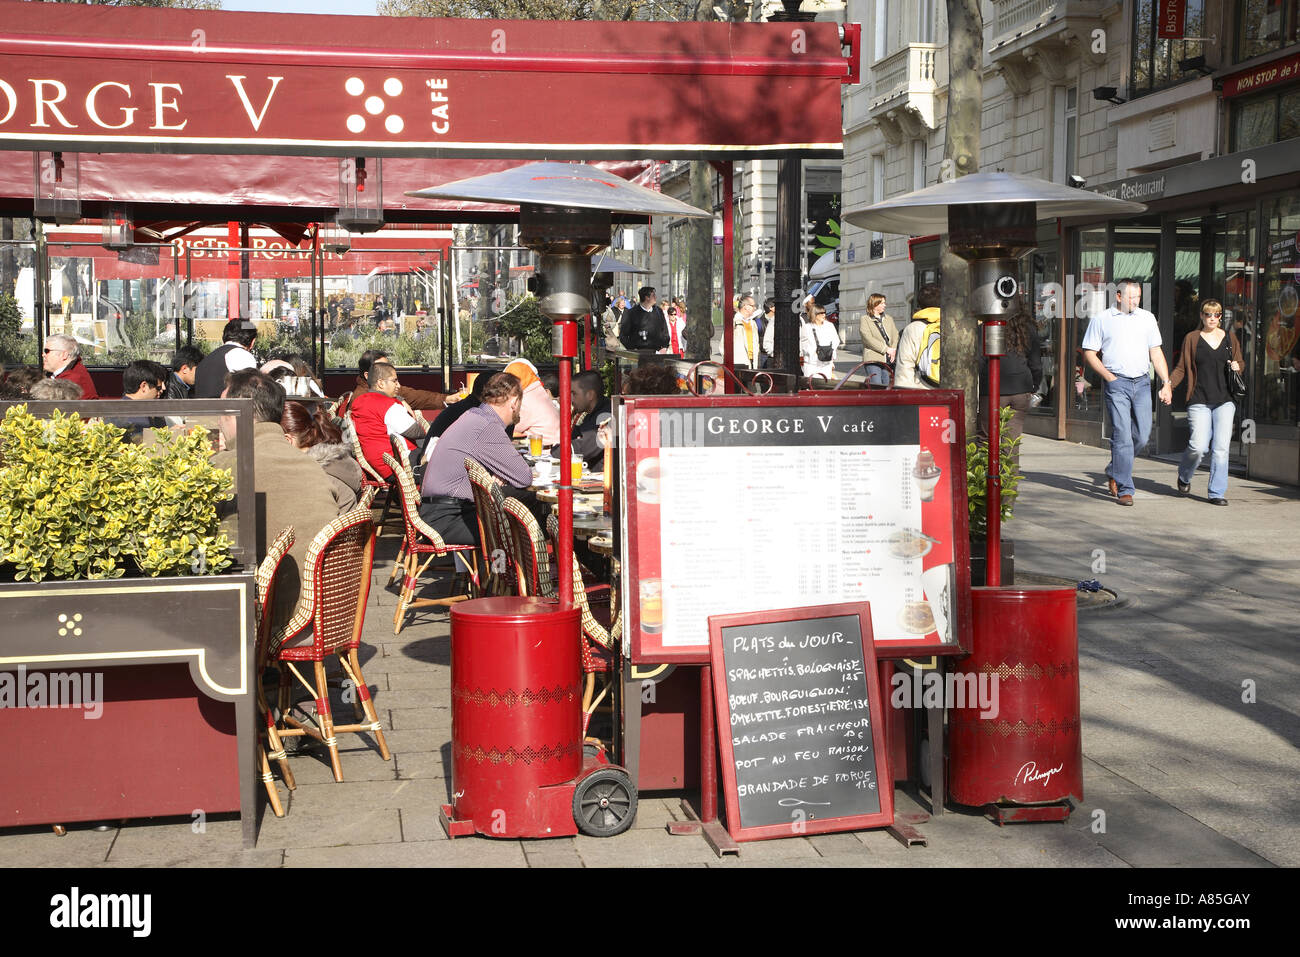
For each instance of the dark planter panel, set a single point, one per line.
(977, 562)
(158, 748)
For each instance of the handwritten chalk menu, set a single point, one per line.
(742, 503)
(799, 724)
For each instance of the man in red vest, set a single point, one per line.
(62, 360)
(379, 413)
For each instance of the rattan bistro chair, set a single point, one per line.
(328, 620)
(370, 477)
(535, 579)
(420, 540)
(265, 579)
(498, 567)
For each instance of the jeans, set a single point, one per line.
(1128, 403)
(877, 374)
(1211, 431)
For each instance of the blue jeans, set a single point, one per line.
(877, 374)
(1211, 431)
(1128, 403)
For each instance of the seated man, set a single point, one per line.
(590, 409)
(415, 398)
(63, 361)
(378, 414)
(140, 382)
(235, 354)
(290, 488)
(479, 434)
(180, 384)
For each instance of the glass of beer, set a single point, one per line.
(652, 605)
(575, 466)
(535, 443)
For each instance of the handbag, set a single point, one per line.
(1235, 381)
(881, 326)
(824, 353)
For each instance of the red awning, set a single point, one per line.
(302, 188)
(143, 79)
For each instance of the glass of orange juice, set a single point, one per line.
(535, 443)
(576, 469)
(652, 605)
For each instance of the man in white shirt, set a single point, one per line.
(1128, 339)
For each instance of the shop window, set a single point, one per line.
(1277, 399)
(1155, 61)
(1265, 119)
(1264, 26)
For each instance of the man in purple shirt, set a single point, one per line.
(480, 434)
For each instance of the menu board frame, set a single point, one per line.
(801, 826)
(644, 648)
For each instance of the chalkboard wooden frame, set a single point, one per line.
(645, 649)
(879, 742)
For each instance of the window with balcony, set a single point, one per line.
(925, 21)
(1155, 61)
(1265, 25)
(881, 17)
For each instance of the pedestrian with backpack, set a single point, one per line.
(917, 365)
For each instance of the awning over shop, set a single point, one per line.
(296, 188)
(96, 78)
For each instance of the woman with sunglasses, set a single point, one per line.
(1206, 355)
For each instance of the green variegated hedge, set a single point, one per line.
(76, 501)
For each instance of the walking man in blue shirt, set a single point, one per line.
(1128, 339)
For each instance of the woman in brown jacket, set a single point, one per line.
(879, 341)
(1206, 355)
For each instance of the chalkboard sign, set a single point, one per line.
(799, 722)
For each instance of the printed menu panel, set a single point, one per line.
(748, 504)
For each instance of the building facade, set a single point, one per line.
(1203, 127)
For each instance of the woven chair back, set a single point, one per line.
(371, 474)
(338, 574)
(266, 581)
(494, 533)
(528, 549)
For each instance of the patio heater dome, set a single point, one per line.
(565, 214)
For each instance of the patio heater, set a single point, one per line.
(565, 215)
(991, 220)
(1026, 762)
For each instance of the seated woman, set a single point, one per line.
(313, 432)
(538, 410)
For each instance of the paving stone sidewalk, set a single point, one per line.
(1179, 767)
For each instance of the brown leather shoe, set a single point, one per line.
(1114, 489)
(1126, 500)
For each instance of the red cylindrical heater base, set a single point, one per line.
(516, 719)
(1018, 742)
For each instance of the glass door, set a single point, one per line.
(1135, 255)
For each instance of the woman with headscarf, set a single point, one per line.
(538, 411)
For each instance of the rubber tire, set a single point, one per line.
(604, 785)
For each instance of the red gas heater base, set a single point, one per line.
(1018, 814)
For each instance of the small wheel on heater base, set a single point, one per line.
(604, 803)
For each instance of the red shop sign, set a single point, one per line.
(1270, 74)
(1171, 19)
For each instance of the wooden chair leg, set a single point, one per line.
(399, 563)
(325, 720)
(274, 741)
(408, 589)
(363, 695)
(269, 780)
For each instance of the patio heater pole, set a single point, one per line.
(994, 349)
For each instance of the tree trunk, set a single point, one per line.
(699, 277)
(961, 154)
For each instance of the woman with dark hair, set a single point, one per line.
(1021, 371)
(1206, 355)
(23, 378)
(312, 431)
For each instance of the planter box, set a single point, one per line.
(127, 698)
(977, 562)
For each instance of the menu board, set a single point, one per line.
(799, 722)
(734, 504)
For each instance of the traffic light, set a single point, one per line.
(807, 238)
